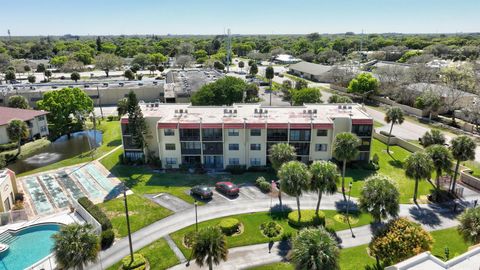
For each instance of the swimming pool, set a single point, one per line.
(27, 246)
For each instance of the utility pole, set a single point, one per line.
(229, 50)
(128, 222)
(9, 36)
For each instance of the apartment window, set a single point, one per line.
(170, 146)
(255, 132)
(233, 132)
(277, 135)
(168, 132)
(300, 135)
(321, 147)
(41, 118)
(255, 147)
(362, 130)
(233, 147)
(255, 162)
(171, 161)
(43, 129)
(233, 161)
(322, 132)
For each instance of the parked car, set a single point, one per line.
(202, 191)
(227, 188)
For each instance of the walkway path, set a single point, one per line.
(431, 217)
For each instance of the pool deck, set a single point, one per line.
(51, 192)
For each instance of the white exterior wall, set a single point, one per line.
(314, 155)
(164, 154)
(262, 140)
(240, 140)
(36, 129)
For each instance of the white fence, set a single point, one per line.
(96, 226)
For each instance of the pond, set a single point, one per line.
(62, 148)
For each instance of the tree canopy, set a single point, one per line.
(68, 108)
(306, 95)
(364, 84)
(224, 91)
(18, 101)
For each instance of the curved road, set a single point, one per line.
(431, 217)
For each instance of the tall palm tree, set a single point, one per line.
(314, 249)
(17, 130)
(324, 179)
(463, 149)
(380, 197)
(75, 246)
(418, 166)
(345, 148)
(442, 161)
(394, 115)
(281, 153)
(210, 247)
(294, 179)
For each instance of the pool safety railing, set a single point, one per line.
(47, 263)
(96, 226)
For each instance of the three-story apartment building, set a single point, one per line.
(242, 134)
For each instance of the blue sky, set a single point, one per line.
(101, 17)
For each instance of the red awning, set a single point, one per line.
(189, 125)
(212, 125)
(323, 126)
(167, 125)
(362, 121)
(233, 125)
(300, 126)
(277, 125)
(255, 125)
(124, 121)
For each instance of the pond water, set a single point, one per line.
(62, 148)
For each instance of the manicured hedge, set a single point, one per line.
(236, 169)
(229, 226)
(263, 184)
(271, 229)
(139, 262)
(96, 212)
(106, 239)
(308, 218)
(8, 146)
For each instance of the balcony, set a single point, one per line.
(213, 148)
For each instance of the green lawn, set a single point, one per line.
(158, 254)
(274, 266)
(448, 238)
(28, 148)
(142, 212)
(474, 166)
(355, 258)
(377, 124)
(251, 224)
(111, 139)
(144, 180)
(390, 165)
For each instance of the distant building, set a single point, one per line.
(286, 59)
(446, 94)
(8, 189)
(36, 122)
(427, 261)
(242, 134)
(311, 71)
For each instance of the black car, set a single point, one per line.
(201, 191)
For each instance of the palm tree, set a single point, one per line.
(345, 148)
(294, 179)
(210, 247)
(442, 160)
(418, 166)
(380, 197)
(75, 246)
(394, 115)
(281, 153)
(314, 249)
(324, 179)
(463, 149)
(17, 130)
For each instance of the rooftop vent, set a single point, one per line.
(235, 111)
(349, 107)
(344, 107)
(256, 110)
(176, 111)
(309, 111)
(339, 106)
(315, 111)
(181, 111)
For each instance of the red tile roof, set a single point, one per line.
(7, 114)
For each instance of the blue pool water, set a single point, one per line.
(28, 246)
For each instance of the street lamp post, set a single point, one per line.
(196, 230)
(128, 222)
(348, 206)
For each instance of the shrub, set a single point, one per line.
(236, 169)
(96, 212)
(188, 238)
(260, 180)
(309, 218)
(371, 166)
(229, 226)
(139, 262)
(106, 239)
(469, 226)
(112, 118)
(398, 240)
(265, 187)
(8, 146)
(271, 229)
